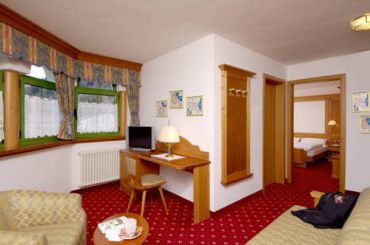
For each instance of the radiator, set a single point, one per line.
(99, 166)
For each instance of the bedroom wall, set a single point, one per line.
(189, 68)
(194, 68)
(305, 122)
(45, 170)
(234, 54)
(356, 68)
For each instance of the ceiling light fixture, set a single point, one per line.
(361, 23)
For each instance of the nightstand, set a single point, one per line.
(333, 149)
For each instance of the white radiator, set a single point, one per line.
(99, 166)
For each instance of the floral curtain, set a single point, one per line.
(133, 89)
(20, 46)
(65, 90)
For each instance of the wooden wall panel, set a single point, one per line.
(235, 101)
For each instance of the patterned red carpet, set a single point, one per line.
(235, 224)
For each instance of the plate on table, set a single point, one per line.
(137, 233)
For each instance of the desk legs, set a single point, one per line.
(201, 193)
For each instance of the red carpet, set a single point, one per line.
(235, 224)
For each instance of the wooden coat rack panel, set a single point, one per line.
(235, 123)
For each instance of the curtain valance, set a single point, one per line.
(20, 46)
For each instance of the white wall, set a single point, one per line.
(55, 169)
(194, 68)
(189, 68)
(236, 55)
(356, 68)
(309, 117)
(46, 170)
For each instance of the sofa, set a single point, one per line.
(42, 218)
(290, 230)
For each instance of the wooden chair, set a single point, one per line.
(147, 182)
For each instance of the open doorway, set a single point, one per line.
(316, 126)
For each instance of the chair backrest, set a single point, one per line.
(130, 166)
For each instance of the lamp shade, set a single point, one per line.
(332, 123)
(169, 134)
(361, 23)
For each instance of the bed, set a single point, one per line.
(308, 150)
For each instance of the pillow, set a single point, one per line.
(314, 141)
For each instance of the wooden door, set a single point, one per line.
(269, 135)
(274, 132)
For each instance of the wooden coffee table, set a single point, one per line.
(99, 238)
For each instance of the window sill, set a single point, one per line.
(45, 146)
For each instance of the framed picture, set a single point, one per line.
(365, 124)
(176, 99)
(194, 106)
(161, 108)
(360, 102)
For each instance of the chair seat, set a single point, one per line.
(59, 234)
(152, 180)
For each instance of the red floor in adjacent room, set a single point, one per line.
(235, 224)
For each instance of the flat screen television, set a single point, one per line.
(140, 138)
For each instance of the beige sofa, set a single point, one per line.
(289, 230)
(34, 217)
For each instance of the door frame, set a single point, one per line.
(290, 122)
(277, 81)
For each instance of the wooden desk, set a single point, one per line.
(195, 161)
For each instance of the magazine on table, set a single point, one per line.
(121, 228)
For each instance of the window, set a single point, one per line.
(97, 109)
(40, 113)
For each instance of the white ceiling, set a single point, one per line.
(289, 31)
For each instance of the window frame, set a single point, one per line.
(97, 92)
(23, 80)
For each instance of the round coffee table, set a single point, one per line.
(99, 238)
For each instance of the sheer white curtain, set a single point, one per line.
(41, 117)
(97, 117)
(1, 116)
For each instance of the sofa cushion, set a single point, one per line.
(360, 215)
(59, 234)
(358, 237)
(288, 229)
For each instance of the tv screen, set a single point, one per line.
(140, 137)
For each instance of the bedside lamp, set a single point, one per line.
(169, 136)
(333, 123)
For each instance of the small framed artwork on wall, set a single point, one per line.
(176, 99)
(161, 108)
(365, 124)
(360, 102)
(194, 106)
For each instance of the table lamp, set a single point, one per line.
(169, 136)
